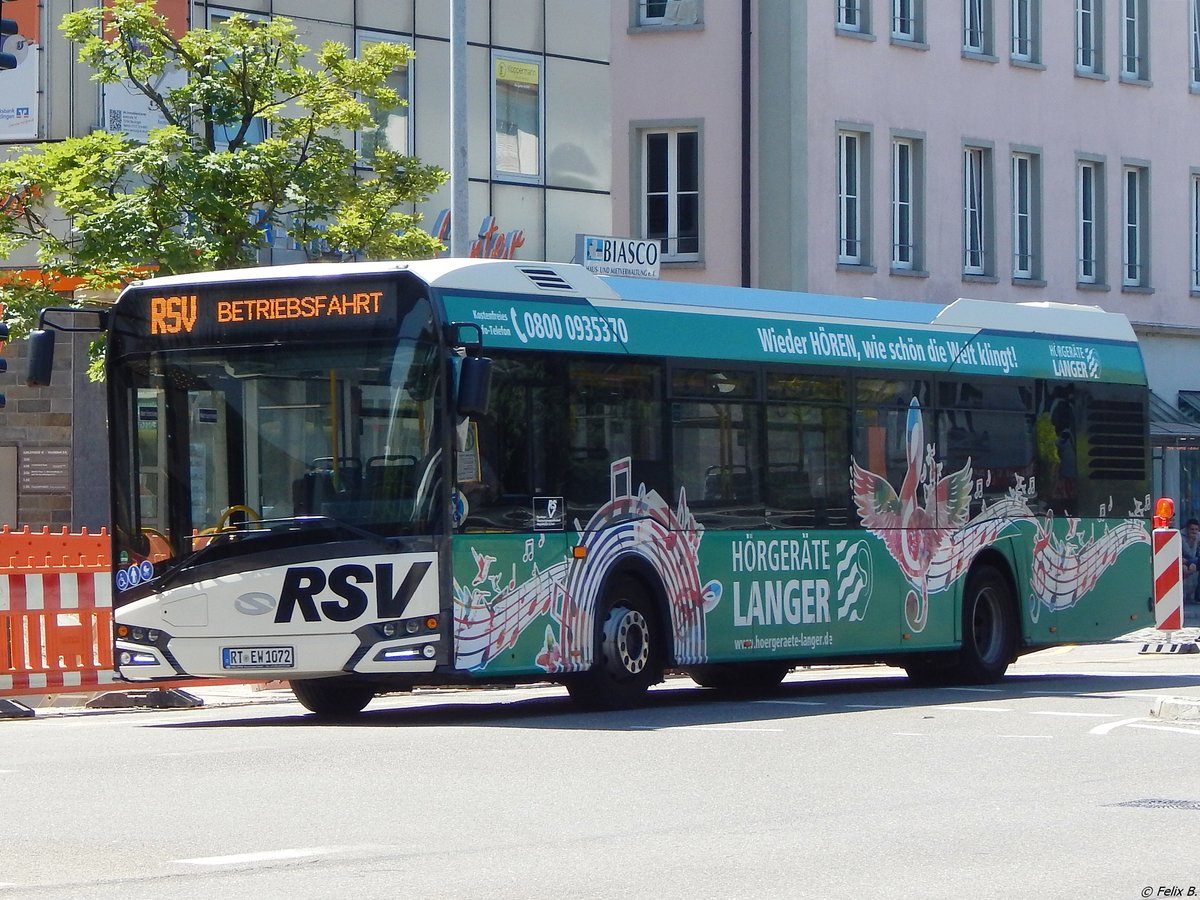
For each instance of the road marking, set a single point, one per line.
(975, 708)
(794, 702)
(213, 751)
(1029, 737)
(1055, 651)
(698, 728)
(874, 706)
(727, 728)
(1194, 731)
(264, 856)
(1109, 726)
(1075, 714)
(976, 690)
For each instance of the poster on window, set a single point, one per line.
(19, 86)
(127, 109)
(517, 117)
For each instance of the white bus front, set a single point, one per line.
(278, 483)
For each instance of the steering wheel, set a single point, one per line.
(230, 510)
(160, 545)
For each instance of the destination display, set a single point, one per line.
(237, 313)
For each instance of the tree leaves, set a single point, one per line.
(202, 192)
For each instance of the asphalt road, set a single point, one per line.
(847, 783)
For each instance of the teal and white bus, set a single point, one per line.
(365, 477)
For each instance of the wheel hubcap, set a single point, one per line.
(627, 639)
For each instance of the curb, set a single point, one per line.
(1177, 709)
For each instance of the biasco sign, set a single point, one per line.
(617, 256)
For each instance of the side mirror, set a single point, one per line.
(474, 385)
(41, 358)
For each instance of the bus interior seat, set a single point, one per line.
(390, 476)
(729, 484)
(323, 484)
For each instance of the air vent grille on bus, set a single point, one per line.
(1116, 432)
(547, 279)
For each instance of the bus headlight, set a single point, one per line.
(129, 659)
(136, 634)
(407, 627)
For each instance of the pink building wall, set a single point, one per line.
(669, 75)
(663, 76)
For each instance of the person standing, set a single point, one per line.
(1191, 560)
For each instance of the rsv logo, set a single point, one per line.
(255, 603)
(303, 584)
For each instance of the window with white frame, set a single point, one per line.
(1195, 204)
(1194, 44)
(852, 198)
(668, 12)
(651, 12)
(517, 117)
(1089, 235)
(907, 24)
(1026, 202)
(671, 191)
(1026, 30)
(392, 128)
(906, 186)
(853, 15)
(977, 26)
(976, 213)
(1135, 34)
(1089, 26)
(1135, 198)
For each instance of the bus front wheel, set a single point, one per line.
(332, 698)
(627, 659)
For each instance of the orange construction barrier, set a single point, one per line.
(55, 611)
(56, 615)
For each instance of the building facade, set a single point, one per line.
(539, 166)
(1013, 150)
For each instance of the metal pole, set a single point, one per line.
(460, 223)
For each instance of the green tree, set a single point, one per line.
(198, 194)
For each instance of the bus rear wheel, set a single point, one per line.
(989, 636)
(332, 698)
(989, 631)
(627, 658)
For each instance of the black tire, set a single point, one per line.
(628, 656)
(989, 631)
(332, 698)
(746, 679)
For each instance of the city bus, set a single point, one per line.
(366, 477)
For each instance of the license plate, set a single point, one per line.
(258, 657)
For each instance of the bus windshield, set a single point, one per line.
(247, 440)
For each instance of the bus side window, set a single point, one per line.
(614, 412)
(521, 444)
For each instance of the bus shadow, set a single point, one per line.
(678, 704)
